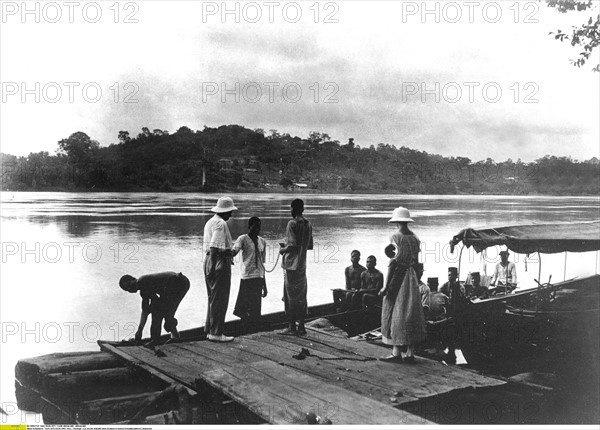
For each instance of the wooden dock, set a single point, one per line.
(280, 378)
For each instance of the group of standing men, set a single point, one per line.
(217, 269)
(162, 292)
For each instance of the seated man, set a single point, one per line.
(346, 298)
(505, 273)
(454, 291)
(458, 301)
(475, 287)
(371, 282)
(423, 289)
(438, 305)
(161, 294)
(438, 302)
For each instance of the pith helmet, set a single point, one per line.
(401, 214)
(224, 204)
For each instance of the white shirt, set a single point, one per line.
(507, 274)
(216, 234)
(252, 267)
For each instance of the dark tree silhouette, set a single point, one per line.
(78, 147)
(586, 36)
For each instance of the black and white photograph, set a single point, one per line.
(299, 213)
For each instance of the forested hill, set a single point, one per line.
(235, 158)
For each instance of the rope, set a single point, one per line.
(304, 352)
(263, 263)
(274, 266)
(343, 358)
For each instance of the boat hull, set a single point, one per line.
(529, 328)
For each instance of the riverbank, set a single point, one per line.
(247, 161)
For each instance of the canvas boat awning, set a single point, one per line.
(527, 239)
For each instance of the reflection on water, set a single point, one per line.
(178, 215)
(63, 253)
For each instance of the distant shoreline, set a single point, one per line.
(176, 190)
(233, 158)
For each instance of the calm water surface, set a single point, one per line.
(63, 254)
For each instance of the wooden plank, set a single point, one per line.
(293, 349)
(29, 399)
(95, 384)
(29, 371)
(154, 367)
(376, 379)
(430, 370)
(212, 354)
(324, 348)
(372, 378)
(74, 380)
(337, 369)
(235, 353)
(54, 411)
(184, 360)
(114, 409)
(207, 357)
(453, 377)
(286, 396)
(358, 380)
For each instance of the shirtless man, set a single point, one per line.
(161, 294)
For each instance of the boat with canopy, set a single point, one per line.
(548, 317)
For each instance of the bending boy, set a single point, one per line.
(161, 294)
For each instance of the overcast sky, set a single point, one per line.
(371, 67)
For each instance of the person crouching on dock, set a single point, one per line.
(161, 294)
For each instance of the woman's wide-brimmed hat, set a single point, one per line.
(224, 204)
(401, 215)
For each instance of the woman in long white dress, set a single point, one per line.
(402, 318)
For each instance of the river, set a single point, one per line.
(63, 254)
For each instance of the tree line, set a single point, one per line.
(235, 158)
